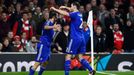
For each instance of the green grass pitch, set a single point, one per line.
(71, 73)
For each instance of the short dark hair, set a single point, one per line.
(76, 4)
(24, 13)
(52, 14)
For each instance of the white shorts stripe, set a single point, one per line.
(70, 44)
(40, 50)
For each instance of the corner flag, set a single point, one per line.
(90, 25)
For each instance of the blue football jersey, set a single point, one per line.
(48, 34)
(76, 28)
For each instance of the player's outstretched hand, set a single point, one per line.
(52, 8)
(62, 7)
(57, 27)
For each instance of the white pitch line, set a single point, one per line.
(105, 73)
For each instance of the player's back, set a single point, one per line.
(76, 29)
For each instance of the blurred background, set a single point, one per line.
(21, 23)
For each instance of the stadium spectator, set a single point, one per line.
(88, 7)
(93, 3)
(96, 21)
(103, 13)
(35, 3)
(32, 45)
(17, 44)
(7, 47)
(10, 11)
(99, 40)
(46, 14)
(109, 40)
(24, 40)
(37, 17)
(82, 9)
(112, 19)
(38, 12)
(119, 11)
(17, 14)
(130, 14)
(4, 26)
(62, 38)
(26, 9)
(23, 25)
(94, 7)
(118, 39)
(129, 37)
(10, 36)
(32, 22)
(31, 7)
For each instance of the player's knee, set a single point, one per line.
(68, 57)
(80, 57)
(44, 64)
(35, 66)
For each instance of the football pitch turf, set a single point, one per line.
(71, 73)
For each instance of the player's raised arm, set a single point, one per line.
(49, 27)
(65, 7)
(60, 11)
(55, 27)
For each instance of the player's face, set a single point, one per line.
(72, 7)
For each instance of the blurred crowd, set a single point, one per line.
(21, 24)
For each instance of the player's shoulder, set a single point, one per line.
(79, 14)
(48, 22)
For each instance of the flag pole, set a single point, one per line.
(90, 25)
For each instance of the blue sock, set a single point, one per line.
(86, 64)
(67, 67)
(42, 69)
(31, 71)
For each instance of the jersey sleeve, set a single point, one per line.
(72, 15)
(47, 23)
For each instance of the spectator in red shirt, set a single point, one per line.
(23, 25)
(24, 40)
(17, 44)
(118, 39)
